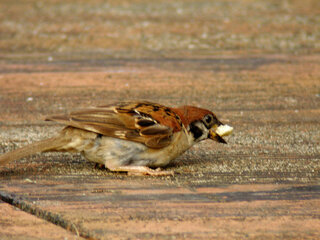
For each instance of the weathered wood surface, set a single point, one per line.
(16, 224)
(263, 185)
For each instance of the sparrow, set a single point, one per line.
(134, 137)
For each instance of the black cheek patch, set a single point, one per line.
(206, 125)
(196, 131)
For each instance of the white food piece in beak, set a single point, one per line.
(224, 130)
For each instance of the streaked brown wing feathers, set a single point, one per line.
(129, 125)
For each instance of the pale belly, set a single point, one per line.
(113, 152)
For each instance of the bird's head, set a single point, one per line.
(203, 124)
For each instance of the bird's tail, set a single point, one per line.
(41, 146)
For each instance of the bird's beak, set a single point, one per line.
(216, 133)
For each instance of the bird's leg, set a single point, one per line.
(141, 170)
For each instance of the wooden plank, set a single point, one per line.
(255, 64)
(275, 143)
(147, 209)
(17, 224)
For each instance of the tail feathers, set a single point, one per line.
(42, 146)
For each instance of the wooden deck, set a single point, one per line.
(264, 184)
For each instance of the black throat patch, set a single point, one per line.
(196, 131)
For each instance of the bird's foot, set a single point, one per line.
(142, 170)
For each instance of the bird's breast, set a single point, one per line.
(163, 156)
(119, 152)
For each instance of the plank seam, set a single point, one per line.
(48, 216)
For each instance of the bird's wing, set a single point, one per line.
(148, 123)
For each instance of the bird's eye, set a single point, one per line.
(208, 119)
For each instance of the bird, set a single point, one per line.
(136, 137)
